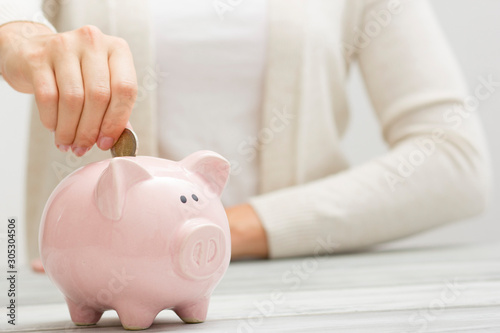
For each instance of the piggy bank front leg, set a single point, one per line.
(82, 315)
(193, 313)
(136, 317)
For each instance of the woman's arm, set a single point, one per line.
(84, 81)
(437, 169)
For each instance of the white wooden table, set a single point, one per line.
(451, 289)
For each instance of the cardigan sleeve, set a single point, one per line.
(437, 169)
(28, 11)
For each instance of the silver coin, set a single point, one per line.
(126, 145)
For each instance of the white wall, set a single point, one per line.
(473, 29)
(14, 122)
(13, 133)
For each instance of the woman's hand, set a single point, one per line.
(84, 82)
(248, 237)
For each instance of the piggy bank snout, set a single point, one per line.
(202, 249)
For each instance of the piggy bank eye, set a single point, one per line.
(195, 198)
(183, 199)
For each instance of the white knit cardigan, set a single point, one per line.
(310, 201)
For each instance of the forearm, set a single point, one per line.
(393, 196)
(84, 81)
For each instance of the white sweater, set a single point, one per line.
(214, 84)
(310, 200)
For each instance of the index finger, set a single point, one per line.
(123, 84)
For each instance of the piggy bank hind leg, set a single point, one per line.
(193, 313)
(81, 314)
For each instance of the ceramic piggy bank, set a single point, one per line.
(138, 235)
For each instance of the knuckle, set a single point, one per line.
(100, 94)
(119, 42)
(108, 128)
(90, 33)
(73, 98)
(126, 89)
(112, 127)
(35, 55)
(86, 138)
(64, 137)
(126, 92)
(46, 96)
(60, 41)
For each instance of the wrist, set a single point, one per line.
(14, 32)
(248, 237)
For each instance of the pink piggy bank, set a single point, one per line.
(138, 235)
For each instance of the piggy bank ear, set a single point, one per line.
(211, 167)
(113, 184)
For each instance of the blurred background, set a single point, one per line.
(473, 30)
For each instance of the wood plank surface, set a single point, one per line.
(449, 289)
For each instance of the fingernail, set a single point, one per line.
(63, 148)
(105, 142)
(80, 151)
